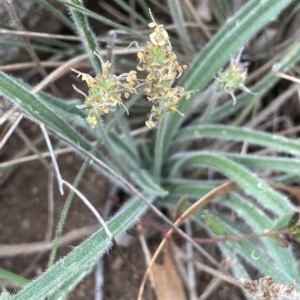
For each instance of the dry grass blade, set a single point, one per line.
(29, 248)
(288, 77)
(146, 251)
(164, 277)
(39, 35)
(30, 49)
(218, 191)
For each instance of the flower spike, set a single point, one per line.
(105, 91)
(159, 61)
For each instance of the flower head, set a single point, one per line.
(233, 77)
(266, 288)
(105, 91)
(158, 59)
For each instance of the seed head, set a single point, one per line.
(159, 61)
(105, 91)
(233, 77)
(266, 289)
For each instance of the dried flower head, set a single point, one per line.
(158, 59)
(105, 91)
(233, 77)
(266, 289)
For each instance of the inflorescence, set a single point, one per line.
(233, 78)
(158, 59)
(266, 289)
(106, 90)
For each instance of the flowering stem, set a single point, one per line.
(159, 147)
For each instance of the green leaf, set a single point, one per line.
(100, 18)
(224, 132)
(5, 296)
(275, 261)
(214, 224)
(86, 35)
(146, 183)
(263, 193)
(281, 266)
(286, 221)
(66, 109)
(125, 153)
(176, 11)
(82, 256)
(132, 12)
(283, 164)
(190, 187)
(293, 220)
(12, 277)
(234, 34)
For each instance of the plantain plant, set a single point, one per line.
(207, 97)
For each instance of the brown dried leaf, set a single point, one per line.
(167, 282)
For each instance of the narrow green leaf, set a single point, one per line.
(278, 263)
(224, 132)
(234, 34)
(132, 12)
(109, 22)
(266, 195)
(283, 164)
(62, 294)
(83, 255)
(12, 277)
(176, 10)
(192, 188)
(128, 139)
(248, 211)
(65, 108)
(281, 266)
(5, 296)
(125, 152)
(238, 268)
(17, 93)
(158, 148)
(287, 220)
(87, 36)
(255, 218)
(146, 183)
(236, 31)
(214, 224)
